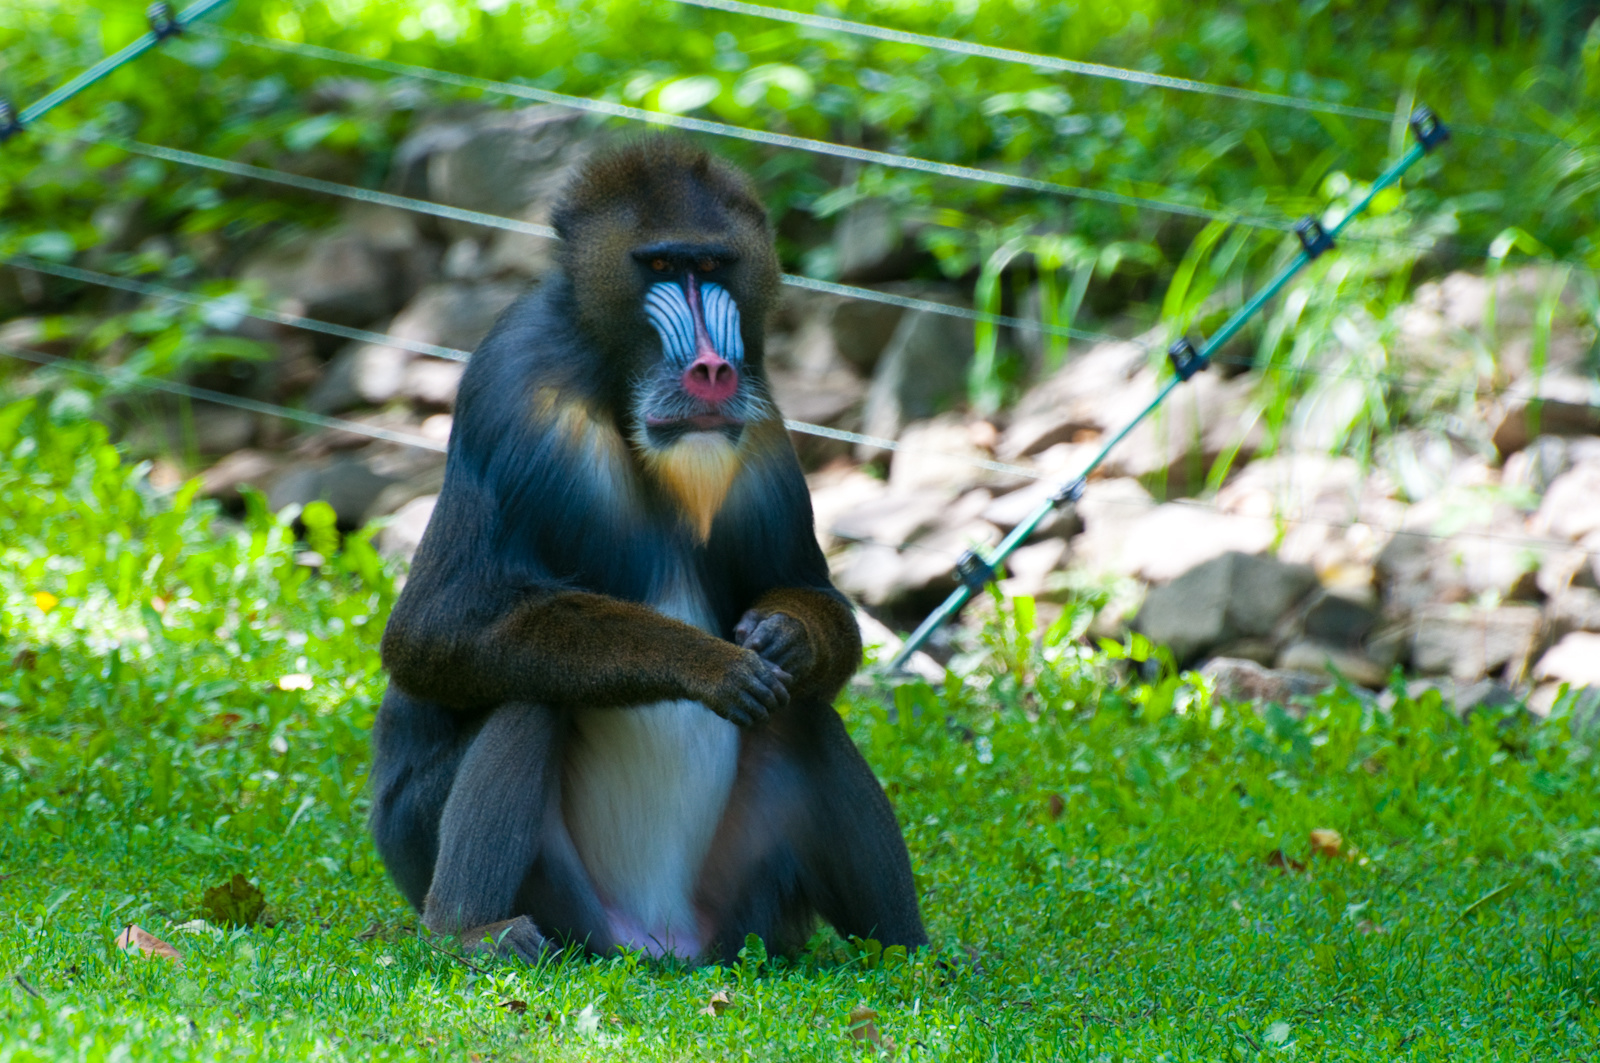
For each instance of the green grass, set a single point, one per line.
(1110, 867)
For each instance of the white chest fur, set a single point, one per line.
(643, 793)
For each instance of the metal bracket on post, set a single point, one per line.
(1313, 237)
(9, 126)
(1186, 361)
(974, 571)
(1430, 132)
(1070, 492)
(163, 23)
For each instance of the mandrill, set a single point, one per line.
(610, 717)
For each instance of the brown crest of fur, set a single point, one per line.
(659, 189)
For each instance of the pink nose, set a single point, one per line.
(711, 379)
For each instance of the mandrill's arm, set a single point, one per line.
(796, 618)
(809, 633)
(460, 637)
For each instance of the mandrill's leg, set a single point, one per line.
(853, 862)
(807, 828)
(503, 852)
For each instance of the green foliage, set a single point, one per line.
(1113, 863)
(1527, 68)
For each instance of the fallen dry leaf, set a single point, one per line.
(864, 1028)
(717, 1004)
(1058, 805)
(138, 939)
(1325, 842)
(515, 1007)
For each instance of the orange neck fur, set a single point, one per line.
(698, 471)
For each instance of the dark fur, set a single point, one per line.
(526, 604)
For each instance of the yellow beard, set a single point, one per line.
(698, 471)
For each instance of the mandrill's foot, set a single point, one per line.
(515, 939)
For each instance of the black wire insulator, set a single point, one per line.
(1430, 132)
(1069, 493)
(9, 126)
(974, 571)
(1313, 237)
(1186, 361)
(162, 22)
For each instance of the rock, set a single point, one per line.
(868, 244)
(222, 429)
(836, 491)
(891, 520)
(1233, 679)
(1560, 404)
(401, 492)
(457, 315)
(437, 427)
(1108, 511)
(338, 276)
(1574, 660)
(1485, 553)
(433, 381)
(1071, 403)
(1029, 568)
(403, 534)
(1308, 655)
(1170, 540)
(1462, 698)
(242, 468)
(1571, 507)
(1534, 467)
(815, 399)
(1574, 609)
(923, 369)
(881, 575)
(1232, 596)
(511, 163)
(345, 484)
(861, 330)
(361, 374)
(1467, 643)
(940, 453)
(1338, 619)
(1180, 442)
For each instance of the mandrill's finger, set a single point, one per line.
(747, 625)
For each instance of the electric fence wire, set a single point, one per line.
(377, 432)
(495, 221)
(220, 398)
(823, 147)
(756, 136)
(229, 305)
(1094, 70)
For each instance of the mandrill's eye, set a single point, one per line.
(659, 265)
(706, 265)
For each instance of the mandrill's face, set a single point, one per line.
(692, 406)
(700, 383)
(675, 259)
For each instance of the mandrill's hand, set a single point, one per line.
(778, 638)
(749, 690)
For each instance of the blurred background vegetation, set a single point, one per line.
(1528, 68)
